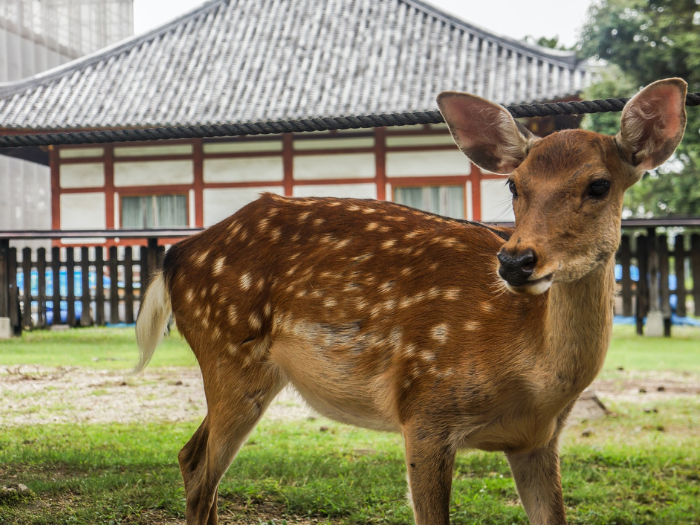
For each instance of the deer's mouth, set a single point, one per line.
(533, 286)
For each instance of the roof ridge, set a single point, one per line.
(10, 88)
(569, 57)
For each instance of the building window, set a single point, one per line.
(443, 200)
(154, 211)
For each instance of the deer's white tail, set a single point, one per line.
(152, 320)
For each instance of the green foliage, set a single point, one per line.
(644, 41)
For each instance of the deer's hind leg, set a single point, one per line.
(237, 395)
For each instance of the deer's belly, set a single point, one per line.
(333, 386)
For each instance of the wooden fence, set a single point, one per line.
(120, 275)
(112, 280)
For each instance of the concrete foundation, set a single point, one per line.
(655, 324)
(5, 328)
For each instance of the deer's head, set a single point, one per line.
(568, 187)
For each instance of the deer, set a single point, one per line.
(457, 334)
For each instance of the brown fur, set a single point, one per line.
(394, 319)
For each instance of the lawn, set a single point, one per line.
(639, 466)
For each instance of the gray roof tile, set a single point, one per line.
(239, 61)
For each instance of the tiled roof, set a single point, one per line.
(258, 60)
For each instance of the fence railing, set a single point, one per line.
(94, 285)
(102, 285)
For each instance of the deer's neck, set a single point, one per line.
(578, 326)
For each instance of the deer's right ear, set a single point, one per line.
(485, 132)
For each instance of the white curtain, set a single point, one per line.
(154, 211)
(443, 200)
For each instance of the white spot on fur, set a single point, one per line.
(330, 302)
(219, 265)
(472, 325)
(268, 310)
(199, 259)
(388, 244)
(368, 210)
(319, 221)
(261, 283)
(245, 281)
(262, 225)
(451, 294)
(439, 333)
(303, 216)
(353, 208)
(232, 315)
(189, 295)
(254, 322)
(371, 226)
(276, 233)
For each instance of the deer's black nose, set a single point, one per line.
(517, 268)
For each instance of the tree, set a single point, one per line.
(643, 41)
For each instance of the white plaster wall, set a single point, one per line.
(80, 153)
(421, 140)
(220, 203)
(331, 143)
(82, 211)
(356, 191)
(426, 163)
(153, 173)
(82, 175)
(343, 166)
(142, 151)
(243, 169)
(496, 201)
(243, 146)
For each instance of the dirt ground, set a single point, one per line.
(36, 395)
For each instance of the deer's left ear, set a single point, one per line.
(652, 124)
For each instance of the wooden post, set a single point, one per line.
(70, 291)
(625, 261)
(128, 286)
(86, 317)
(4, 277)
(679, 255)
(56, 276)
(695, 270)
(113, 286)
(664, 292)
(15, 318)
(27, 291)
(642, 284)
(99, 287)
(41, 297)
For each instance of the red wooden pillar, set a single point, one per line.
(198, 158)
(55, 188)
(288, 163)
(109, 187)
(476, 192)
(380, 162)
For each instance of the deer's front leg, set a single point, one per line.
(537, 478)
(430, 462)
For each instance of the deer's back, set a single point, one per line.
(378, 289)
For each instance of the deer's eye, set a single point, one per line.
(599, 188)
(512, 188)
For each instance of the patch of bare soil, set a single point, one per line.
(37, 395)
(644, 387)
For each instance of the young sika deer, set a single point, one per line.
(456, 334)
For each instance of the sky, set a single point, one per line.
(513, 18)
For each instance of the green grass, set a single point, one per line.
(680, 352)
(102, 348)
(129, 473)
(636, 468)
(115, 348)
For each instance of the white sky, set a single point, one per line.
(514, 18)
